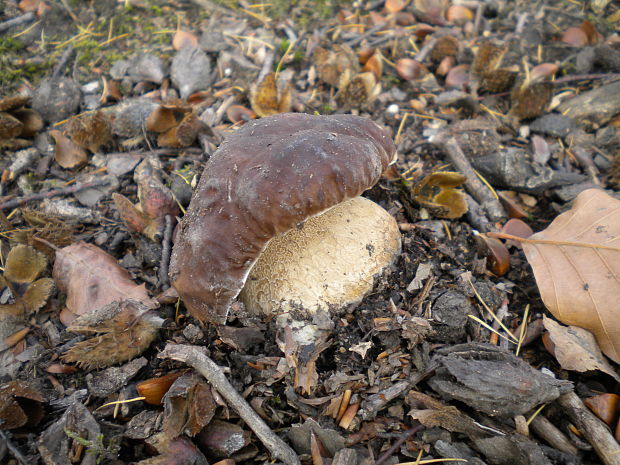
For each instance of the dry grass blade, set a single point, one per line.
(576, 262)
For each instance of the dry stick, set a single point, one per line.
(425, 50)
(194, 357)
(166, 250)
(388, 453)
(476, 188)
(17, 21)
(594, 430)
(52, 193)
(14, 450)
(478, 19)
(552, 435)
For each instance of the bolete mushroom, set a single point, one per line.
(278, 210)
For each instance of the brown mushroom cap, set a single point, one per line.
(268, 177)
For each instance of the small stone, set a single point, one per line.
(553, 124)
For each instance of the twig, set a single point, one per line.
(593, 429)
(17, 21)
(476, 188)
(365, 35)
(166, 249)
(552, 435)
(62, 62)
(388, 453)
(425, 50)
(478, 19)
(586, 77)
(195, 357)
(52, 193)
(14, 450)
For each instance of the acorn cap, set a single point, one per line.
(267, 178)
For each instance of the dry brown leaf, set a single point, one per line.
(268, 98)
(20, 405)
(67, 154)
(91, 279)
(575, 349)
(438, 192)
(358, 91)
(576, 262)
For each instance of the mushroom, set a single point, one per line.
(278, 210)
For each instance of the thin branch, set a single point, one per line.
(14, 450)
(196, 358)
(52, 193)
(166, 250)
(17, 21)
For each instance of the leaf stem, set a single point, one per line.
(550, 242)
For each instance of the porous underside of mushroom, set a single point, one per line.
(328, 263)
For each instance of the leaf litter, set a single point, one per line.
(424, 69)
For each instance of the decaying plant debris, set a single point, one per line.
(496, 131)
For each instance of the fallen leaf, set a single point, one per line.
(358, 91)
(576, 263)
(269, 98)
(91, 279)
(67, 154)
(20, 405)
(438, 192)
(605, 406)
(575, 349)
(188, 406)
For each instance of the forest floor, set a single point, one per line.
(505, 116)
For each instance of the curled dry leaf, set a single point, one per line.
(271, 97)
(67, 154)
(155, 203)
(358, 91)
(439, 192)
(188, 406)
(20, 405)
(576, 262)
(575, 349)
(91, 278)
(126, 329)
